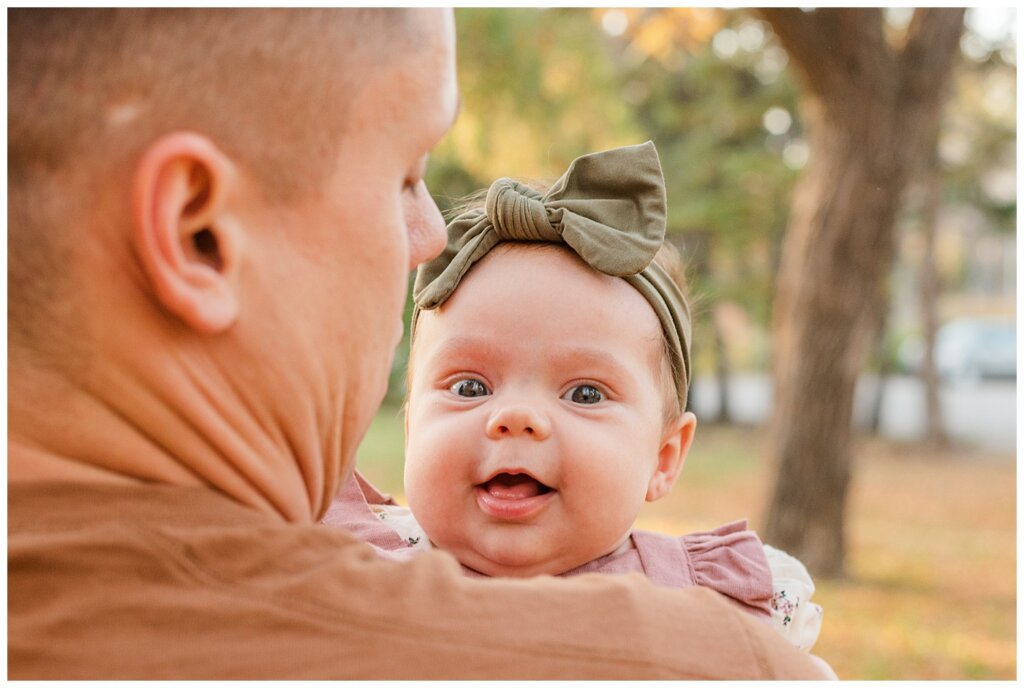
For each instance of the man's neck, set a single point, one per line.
(28, 464)
(131, 425)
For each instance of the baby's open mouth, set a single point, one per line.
(513, 497)
(514, 486)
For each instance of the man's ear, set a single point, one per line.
(675, 444)
(187, 241)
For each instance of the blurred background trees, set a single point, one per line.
(871, 103)
(718, 92)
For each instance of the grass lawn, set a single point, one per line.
(931, 592)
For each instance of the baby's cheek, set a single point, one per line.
(438, 515)
(421, 468)
(422, 502)
(615, 496)
(428, 490)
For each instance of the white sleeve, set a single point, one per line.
(793, 614)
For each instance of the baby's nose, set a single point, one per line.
(518, 421)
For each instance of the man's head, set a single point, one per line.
(212, 214)
(90, 89)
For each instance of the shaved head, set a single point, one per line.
(89, 89)
(261, 83)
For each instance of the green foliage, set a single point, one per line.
(728, 186)
(979, 136)
(381, 454)
(538, 89)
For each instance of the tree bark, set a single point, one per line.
(864, 106)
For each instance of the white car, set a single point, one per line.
(969, 349)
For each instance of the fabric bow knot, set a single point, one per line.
(517, 212)
(608, 207)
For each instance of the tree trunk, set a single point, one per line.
(864, 107)
(935, 431)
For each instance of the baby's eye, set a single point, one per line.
(469, 388)
(584, 394)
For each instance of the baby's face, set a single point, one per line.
(535, 426)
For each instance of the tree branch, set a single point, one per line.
(932, 38)
(836, 49)
(806, 42)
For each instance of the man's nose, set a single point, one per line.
(518, 420)
(423, 221)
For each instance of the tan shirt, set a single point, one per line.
(151, 582)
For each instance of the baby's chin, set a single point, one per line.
(509, 564)
(515, 570)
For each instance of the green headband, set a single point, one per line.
(608, 207)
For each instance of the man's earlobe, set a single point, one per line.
(186, 239)
(675, 445)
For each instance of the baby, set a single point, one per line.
(547, 392)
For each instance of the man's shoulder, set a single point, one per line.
(234, 594)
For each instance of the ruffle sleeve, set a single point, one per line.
(731, 560)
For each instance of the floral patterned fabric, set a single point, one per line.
(793, 613)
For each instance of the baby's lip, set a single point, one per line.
(512, 472)
(512, 495)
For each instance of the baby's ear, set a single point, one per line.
(675, 444)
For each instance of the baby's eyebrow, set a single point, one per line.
(576, 357)
(462, 346)
(568, 357)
